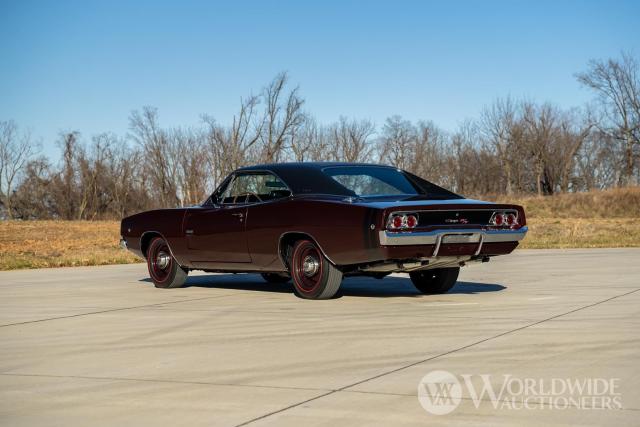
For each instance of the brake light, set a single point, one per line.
(501, 219)
(402, 221)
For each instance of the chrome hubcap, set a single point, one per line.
(310, 266)
(162, 260)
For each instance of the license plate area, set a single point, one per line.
(461, 238)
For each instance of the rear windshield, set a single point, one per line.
(373, 181)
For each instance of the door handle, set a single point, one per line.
(188, 232)
(239, 215)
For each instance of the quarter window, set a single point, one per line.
(254, 188)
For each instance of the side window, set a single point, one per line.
(254, 188)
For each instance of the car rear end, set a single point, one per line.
(431, 235)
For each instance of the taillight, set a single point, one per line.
(500, 219)
(402, 221)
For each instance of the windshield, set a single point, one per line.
(372, 180)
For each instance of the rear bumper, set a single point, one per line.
(451, 237)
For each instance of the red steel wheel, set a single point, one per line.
(163, 268)
(314, 277)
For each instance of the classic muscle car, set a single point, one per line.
(314, 223)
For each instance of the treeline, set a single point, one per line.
(514, 146)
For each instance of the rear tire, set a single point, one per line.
(436, 281)
(163, 268)
(314, 277)
(276, 277)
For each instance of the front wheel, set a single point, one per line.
(163, 268)
(314, 277)
(436, 281)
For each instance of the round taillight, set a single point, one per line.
(499, 219)
(396, 222)
(511, 219)
(412, 221)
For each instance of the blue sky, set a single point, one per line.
(85, 65)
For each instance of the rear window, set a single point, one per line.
(372, 181)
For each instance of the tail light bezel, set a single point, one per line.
(507, 218)
(405, 221)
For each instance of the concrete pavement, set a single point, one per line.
(102, 346)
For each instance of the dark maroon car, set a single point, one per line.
(314, 223)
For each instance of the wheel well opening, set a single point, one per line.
(286, 245)
(145, 241)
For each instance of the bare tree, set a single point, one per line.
(499, 126)
(575, 129)
(33, 196)
(282, 117)
(350, 140)
(161, 155)
(617, 85)
(397, 142)
(193, 175)
(233, 146)
(310, 142)
(15, 151)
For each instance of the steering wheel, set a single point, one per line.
(246, 194)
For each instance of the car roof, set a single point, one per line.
(305, 165)
(307, 177)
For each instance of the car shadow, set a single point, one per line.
(390, 286)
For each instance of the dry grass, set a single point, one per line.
(546, 233)
(36, 244)
(614, 203)
(589, 220)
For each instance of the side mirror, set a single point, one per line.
(211, 201)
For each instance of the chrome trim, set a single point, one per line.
(162, 260)
(480, 245)
(451, 210)
(390, 238)
(310, 265)
(425, 264)
(238, 172)
(504, 212)
(123, 243)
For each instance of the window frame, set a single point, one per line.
(232, 179)
(419, 190)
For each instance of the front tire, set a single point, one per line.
(436, 281)
(163, 268)
(314, 277)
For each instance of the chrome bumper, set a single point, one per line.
(437, 237)
(123, 243)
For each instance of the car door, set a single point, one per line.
(216, 232)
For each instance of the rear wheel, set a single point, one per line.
(276, 277)
(163, 268)
(314, 277)
(436, 281)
